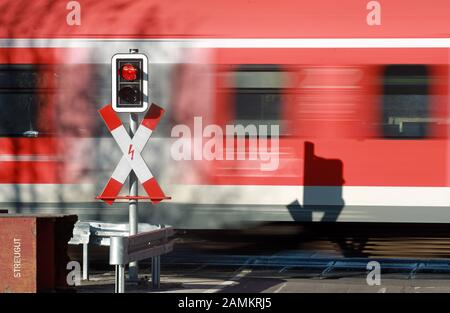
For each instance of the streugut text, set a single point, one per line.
(17, 257)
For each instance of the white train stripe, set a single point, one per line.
(107, 43)
(245, 195)
(30, 158)
(284, 195)
(196, 216)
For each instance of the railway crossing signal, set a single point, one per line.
(129, 77)
(131, 148)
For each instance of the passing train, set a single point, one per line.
(361, 111)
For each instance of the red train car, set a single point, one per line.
(297, 111)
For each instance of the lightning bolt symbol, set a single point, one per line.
(131, 151)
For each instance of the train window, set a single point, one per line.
(406, 101)
(258, 91)
(23, 90)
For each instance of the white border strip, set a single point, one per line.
(29, 158)
(339, 195)
(233, 42)
(246, 195)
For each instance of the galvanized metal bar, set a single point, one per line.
(144, 238)
(150, 252)
(118, 251)
(156, 271)
(85, 261)
(120, 279)
(116, 279)
(156, 260)
(120, 254)
(133, 270)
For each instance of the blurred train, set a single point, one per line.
(362, 110)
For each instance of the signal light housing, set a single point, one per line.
(129, 82)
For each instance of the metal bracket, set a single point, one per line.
(151, 244)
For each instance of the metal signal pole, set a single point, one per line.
(133, 269)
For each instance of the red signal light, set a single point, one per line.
(128, 72)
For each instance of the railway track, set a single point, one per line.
(416, 241)
(315, 248)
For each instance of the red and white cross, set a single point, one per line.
(131, 149)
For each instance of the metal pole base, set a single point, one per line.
(120, 279)
(133, 273)
(85, 261)
(156, 271)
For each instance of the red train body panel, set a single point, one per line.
(362, 110)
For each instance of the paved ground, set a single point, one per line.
(237, 280)
(293, 258)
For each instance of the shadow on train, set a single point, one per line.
(323, 179)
